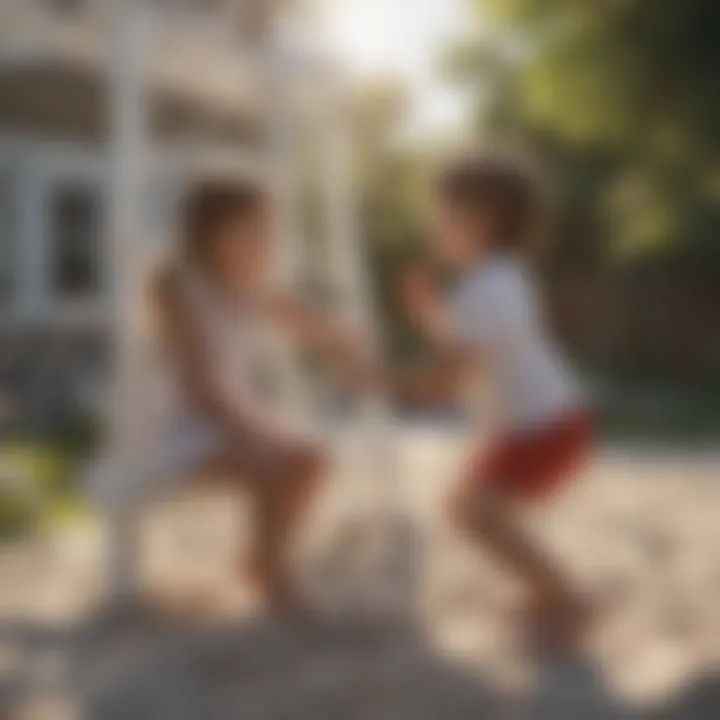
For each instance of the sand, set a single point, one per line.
(429, 634)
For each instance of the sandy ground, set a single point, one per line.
(425, 629)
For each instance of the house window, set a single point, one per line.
(8, 230)
(74, 230)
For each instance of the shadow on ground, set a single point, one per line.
(264, 670)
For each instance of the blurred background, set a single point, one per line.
(618, 99)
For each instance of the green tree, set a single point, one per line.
(631, 86)
(621, 99)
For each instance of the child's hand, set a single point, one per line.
(418, 290)
(361, 375)
(346, 346)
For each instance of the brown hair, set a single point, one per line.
(211, 203)
(505, 186)
(204, 208)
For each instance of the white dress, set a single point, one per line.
(170, 440)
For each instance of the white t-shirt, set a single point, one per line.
(496, 313)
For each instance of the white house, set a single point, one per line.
(210, 100)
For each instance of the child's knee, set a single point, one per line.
(457, 510)
(469, 512)
(306, 468)
(311, 462)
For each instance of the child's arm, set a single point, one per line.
(423, 305)
(436, 382)
(334, 342)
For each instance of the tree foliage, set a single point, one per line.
(621, 99)
(631, 87)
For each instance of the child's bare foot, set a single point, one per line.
(273, 588)
(558, 623)
(285, 600)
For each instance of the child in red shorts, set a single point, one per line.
(487, 210)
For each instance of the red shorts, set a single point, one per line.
(530, 465)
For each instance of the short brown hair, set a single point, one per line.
(210, 203)
(505, 185)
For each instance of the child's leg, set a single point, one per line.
(281, 504)
(490, 518)
(281, 495)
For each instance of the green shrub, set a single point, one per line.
(36, 479)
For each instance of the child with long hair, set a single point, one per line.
(213, 305)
